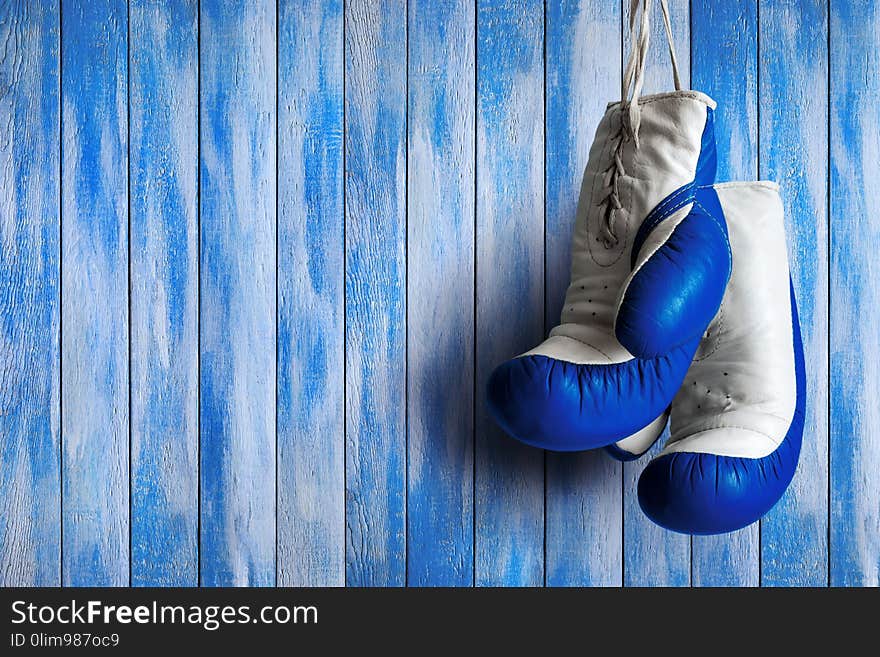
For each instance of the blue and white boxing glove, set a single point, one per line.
(650, 262)
(737, 423)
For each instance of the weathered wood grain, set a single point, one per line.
(724, 60)
(583, 505)
(391, 303)
(440, 283)
(238, 292)
(94, 293)
(509, 502)
(311, 463)
(163, 61)
(793, 151)
(30, 469)
(654, 556)
(375, 292)
(855, 294)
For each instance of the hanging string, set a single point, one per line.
(670, 42)
(630, 117)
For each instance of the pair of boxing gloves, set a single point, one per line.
(680, 310)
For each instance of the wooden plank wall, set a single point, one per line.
(164, 228)
(259, 258)
(311, 300)
(237, 291)
(30, 312)
(440, 318)
(94, 330)
(509, 477)
(375, 292)
(854, 448)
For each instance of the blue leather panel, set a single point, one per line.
(562, 406)
(619, 454)
(707, 163)
(709, 494)
(678, 291)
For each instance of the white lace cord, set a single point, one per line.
(636, 66)
(670, 42)
(633, 78)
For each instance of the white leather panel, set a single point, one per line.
(639, 443)
(738, 398)
(581, 350)
(684, 93)
(670, 137)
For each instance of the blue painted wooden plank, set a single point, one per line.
(30, 469)
(654, 556)
(440, 324)
(311, 430)
(724, 60)
(509, 504)
(855, 294)
(163, 60)
(94, 275)
(793, 152)
(375, 292)
(584, 505)
(238, 292)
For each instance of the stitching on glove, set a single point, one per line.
(773, 441)
(718, 225)
(677, 96)
(591, 346)
(672, 99)
(662, 208)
